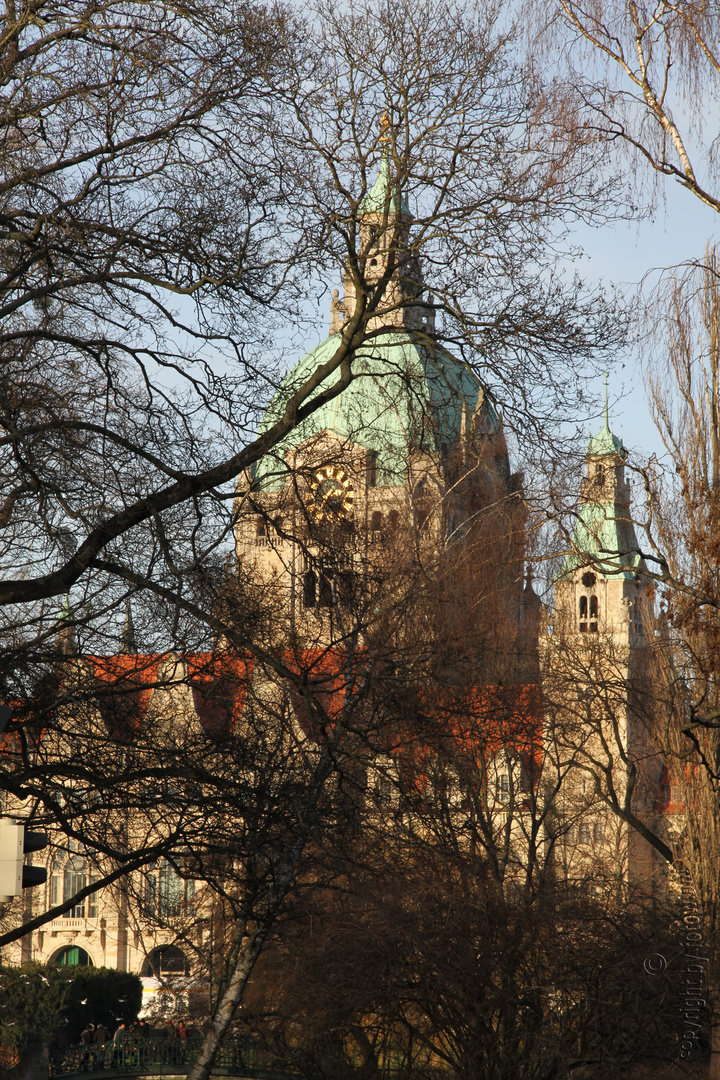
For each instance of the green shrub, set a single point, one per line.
(32, 999)
(38, 999)
(101, 995)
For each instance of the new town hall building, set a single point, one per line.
(397, 471)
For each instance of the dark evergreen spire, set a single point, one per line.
(127, 638)
(66, 635)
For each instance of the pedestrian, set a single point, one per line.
(119, 1045)
(86, 1037)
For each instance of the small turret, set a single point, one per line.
(66, 637)
(599, 587)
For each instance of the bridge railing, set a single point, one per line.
(161, 1055)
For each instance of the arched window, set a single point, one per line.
(421, 504)
(588, 606)
(166, 893)
(68, 876)
(393, 519)
(325, 591)
(593, 614)
(72, 956)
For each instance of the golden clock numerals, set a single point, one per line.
(331, 493)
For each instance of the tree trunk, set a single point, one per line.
(35, 1063)
(228, 1002)
(250, 944)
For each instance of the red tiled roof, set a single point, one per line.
(219, 683)
(125, 685)
(324, 673)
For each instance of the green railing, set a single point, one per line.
(163, 1056)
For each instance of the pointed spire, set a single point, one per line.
(605, 442)
(385, 128)
(377, 197)
(127, 638)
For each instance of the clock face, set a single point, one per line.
(331, 494)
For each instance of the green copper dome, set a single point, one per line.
(604, 442)
(408, 394)
(604, 538)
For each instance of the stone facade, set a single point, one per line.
(411, 458)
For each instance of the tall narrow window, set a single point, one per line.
(56, 882)
(421, 504)
(309, 589)
(170, 891)
(74, 879)
(593, 614)
(325, 592)
(503, 788)
(371, 468)
(92, 900)
(376, 521)
(583, 614)
(151, 894)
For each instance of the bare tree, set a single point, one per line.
(128, 416)
(681, 536)
(643, 76)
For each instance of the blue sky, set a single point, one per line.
(624, 254)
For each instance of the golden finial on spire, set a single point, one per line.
(385, 127)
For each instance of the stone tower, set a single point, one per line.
(596, 659)
(410, 458)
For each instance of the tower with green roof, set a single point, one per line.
(413, 445)
(600, 588)
(595, 662)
